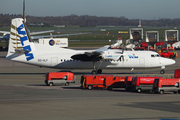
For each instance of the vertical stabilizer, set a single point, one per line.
(20, 47)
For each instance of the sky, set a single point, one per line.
(131, 9)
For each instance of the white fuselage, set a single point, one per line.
(46, 56)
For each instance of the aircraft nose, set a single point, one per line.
(167, 61)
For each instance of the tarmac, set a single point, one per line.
(24, 95)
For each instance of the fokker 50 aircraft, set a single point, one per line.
(22, 49)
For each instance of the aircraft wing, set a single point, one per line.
(4, 32)
(46, 36)
(88, 56)
(5, 37)
(100, 54)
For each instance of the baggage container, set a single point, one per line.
(177, 73)
(93, 81)
(114, 82)
(143, 83)
(59, 78)
(162, 85)
(128, 83)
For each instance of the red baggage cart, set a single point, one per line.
(93, 81)
(162, 85)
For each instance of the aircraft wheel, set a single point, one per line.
(109, 88)
(67, 84)
(99, 71)
(94, 72)
(162, 71)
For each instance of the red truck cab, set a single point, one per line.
(114, 82)
(168, 53)
(140, 48)
(59, 77)
(128, 82)
(162, 85)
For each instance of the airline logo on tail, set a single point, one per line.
(23, 38)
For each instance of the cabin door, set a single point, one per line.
(141, 62)
(54, 61)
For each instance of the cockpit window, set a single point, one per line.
(152, 55)
(157, 55)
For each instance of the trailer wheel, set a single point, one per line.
(90, 87)
(109, 87)
(161, 92)
(50, 84)
(67, 84)
(139, 90)
(175, 92)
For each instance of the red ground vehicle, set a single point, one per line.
(140, 48)
(177, 73)
(93, 81)
(114, 82)
(169, 53)
(162, 85)
(143, 83)
(59, 77)
(128, 82)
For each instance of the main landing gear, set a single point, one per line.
(96, 71)
(99, 71)
(162, 71)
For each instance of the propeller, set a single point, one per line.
(122, 56)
